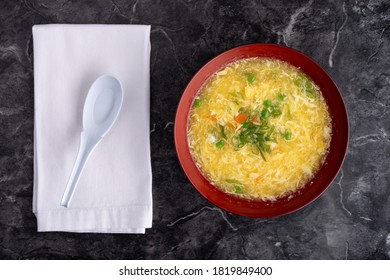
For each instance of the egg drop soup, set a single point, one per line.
(259, 129)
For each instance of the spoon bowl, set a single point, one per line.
(102, 105)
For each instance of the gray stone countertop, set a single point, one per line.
(350, 40)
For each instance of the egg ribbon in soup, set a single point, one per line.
(259, 128)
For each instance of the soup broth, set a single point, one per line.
(259, 129)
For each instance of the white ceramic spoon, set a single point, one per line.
(101, 108)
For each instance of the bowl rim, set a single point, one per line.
(217, 196)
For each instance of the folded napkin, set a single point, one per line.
(114, 192)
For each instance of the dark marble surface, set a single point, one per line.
(350, 40)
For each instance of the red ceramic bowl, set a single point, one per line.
(306, 194)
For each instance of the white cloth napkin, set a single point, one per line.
(114, 194)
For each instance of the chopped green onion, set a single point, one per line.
(255, 150)
(311, 93)
(233, 181)
(264, 113)
(276, 112)
(222, 129)
(251, 78)
(262, 155)
(281, 96)
(272, 129)
(239, 188)
(219, 144)
(267, 103)
(236, 140)
(246, 125)
(243, 110)
(259, 133)
(198, 102)
(262, 145)
(288, 109)
(304, 84)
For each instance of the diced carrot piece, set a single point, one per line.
(254, 119)
(241, 118)
(231, 125)
(212, 118)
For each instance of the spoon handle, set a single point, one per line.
(86, 147)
